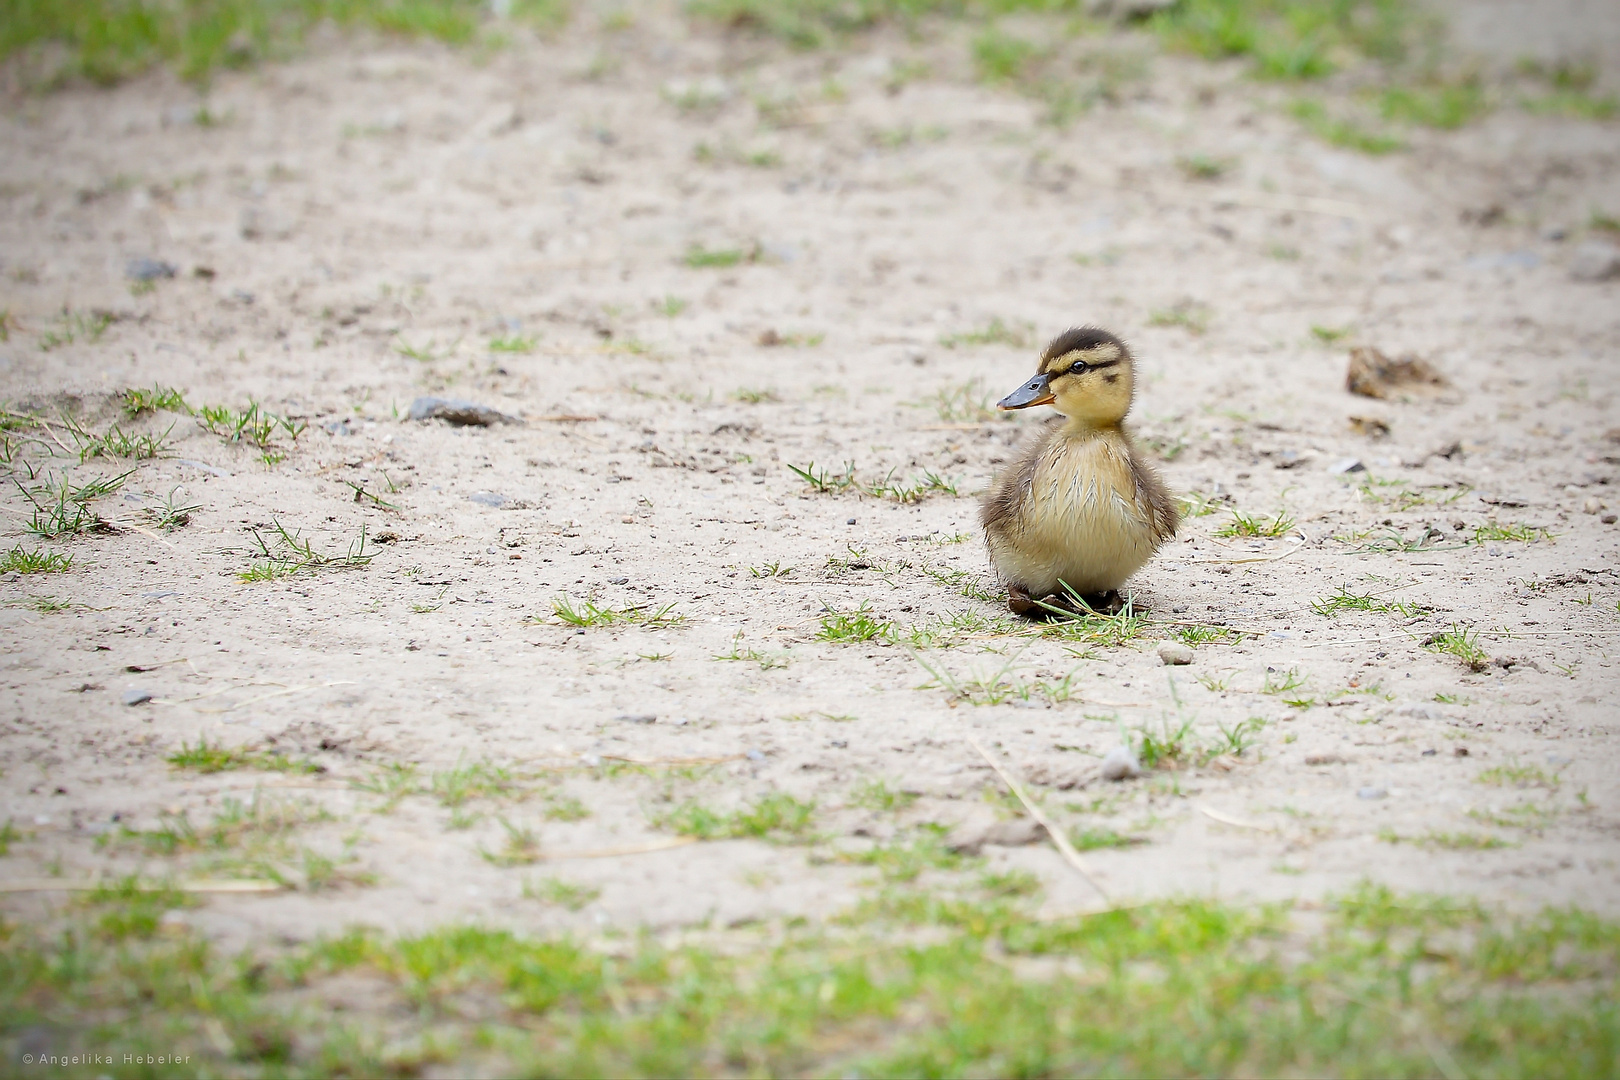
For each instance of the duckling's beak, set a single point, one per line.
(1035, 392)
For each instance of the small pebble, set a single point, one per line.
(619, 581)
(756, 755)
(136, 697)
(1609, 519)
(1120, 764)
(1459, 751)
(1175, 653)
(145, 269)
(851, 521)
(1592, 505)
(1372, 793)
(637, 718)
(1346, 465)
(1430, 753)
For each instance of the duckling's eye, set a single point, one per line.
(1078, 368)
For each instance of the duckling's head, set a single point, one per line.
(1086, 373)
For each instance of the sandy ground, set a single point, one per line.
(343, 210)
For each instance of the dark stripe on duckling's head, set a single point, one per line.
(1093, 345)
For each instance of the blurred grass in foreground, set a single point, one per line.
(912, 982)
(108, 40)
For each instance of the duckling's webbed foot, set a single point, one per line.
(1019, 601)
(1066, 602)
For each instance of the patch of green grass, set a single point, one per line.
(1292, 40)
(1196, 635)
(1437, 104)
(45, 605)
(754, 395)
(1520, 533)
(394, 781)
(1280, 524)
(1078, 624)
(1000, 57)
(671, 306)
(9, 834)
(1345, 600)
(63, 509)
(116, 442)
(920, 983)
(561, 893)
(129, 909)
(996, 332)
(137, 402)
(1191, 317)
(877, 795)
(106, 41)
(1170, 745)
(717, 258)
(1330, 335)
(1204, 167)
(1523, 815)
(853, 627)
(285, 553)
(986, 686)
(254, 425)
(1102, 839)
(456, 786)
(1194, 504)
(1341, 131)
(766, 661)
(588, 613)
(772, 569)
(1282, 682)
(522, 847)
(907, 856)
(23, 561)
(514, 343)
(777, 817)
(208, 757)
(1461, 642)
(75, 327)
(1519, 775)
(969, 401)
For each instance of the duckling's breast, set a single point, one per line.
(1082, 522)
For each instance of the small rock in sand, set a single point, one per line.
(1592, 505)
(457, 412)
(136, 697)
(970, 838)
(1372, 793)
(637, 718)
(1120, 764)
(145, 269)
(1175, 653)
(1595, 261)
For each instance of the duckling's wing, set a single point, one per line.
(1151, 495)
(1011, 491)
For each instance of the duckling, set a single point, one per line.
(1079, 511)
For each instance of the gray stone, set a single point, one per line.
(1175, 653)
(1372, 793)
(1120, 764)
(1595, 260)
(457, 412)
(136, 697)
(488, 498)
(1346, 465)
(637, 718)
(145, 269)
